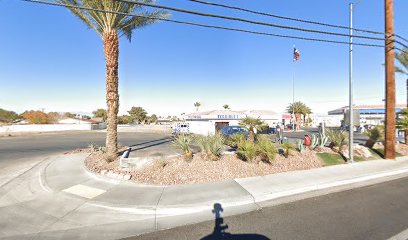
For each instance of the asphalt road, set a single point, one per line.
(20, 149)
(374, 212)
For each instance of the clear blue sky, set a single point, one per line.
(49, 59)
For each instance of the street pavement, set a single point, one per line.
(46, 195)
(59, 199)
(374, 212)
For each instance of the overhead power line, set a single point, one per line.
(293, 19)
(247, 21)
(255, 22)
(203, 25)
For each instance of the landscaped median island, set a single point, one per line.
(215, 158)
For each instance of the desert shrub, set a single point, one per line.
(235, 140)
(265, 149)
(337, 138)
(36, 117)
(211, 146)
(246, 151)
(161, 162)
(374, 134)
(287, 147)
(96, 148)
(8, 116)
(93, 147)
(183, 141)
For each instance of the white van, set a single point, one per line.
(181, 128)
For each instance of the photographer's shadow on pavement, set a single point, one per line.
(220, 227)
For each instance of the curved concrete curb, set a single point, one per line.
(247, 194)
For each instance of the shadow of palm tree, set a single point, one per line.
(220, 227)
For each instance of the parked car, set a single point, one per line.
(228, 131)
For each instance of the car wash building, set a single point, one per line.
(211, 121)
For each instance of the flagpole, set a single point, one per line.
(293, 95)
(351, 123)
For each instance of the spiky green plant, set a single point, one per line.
(246, 151)
(110, 26)
(323, 139)
(287, 147)
(266, 150)
(183, 142)
(338, 138)
(211, 146)
(301, 147)
(402, 122)
(251, 124)
(315, 141)
(235, 140)
(374, 134)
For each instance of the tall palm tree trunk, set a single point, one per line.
(111, 50)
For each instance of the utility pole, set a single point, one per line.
(389, 148)
(351, 123)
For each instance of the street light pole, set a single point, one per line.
(351, 123)
(389, 148)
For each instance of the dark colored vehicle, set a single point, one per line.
(228, 131)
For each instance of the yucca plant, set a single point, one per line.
(251, 124)
(183, 142)
(235, 140)
(287, 147)
(266, 150)
(246, 151)
(110, 26)
(374, 134)
(338, 139)
(211, 146)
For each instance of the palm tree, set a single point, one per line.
(306, 112)
(299, 109)
(402, 59)
(402, 123)
(197, 105)
(110, 26)
(226, 106)
(251, 124)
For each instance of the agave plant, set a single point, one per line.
(338, 139)
(183, 142)
(301, 146)
(211, 146)
(374, 134)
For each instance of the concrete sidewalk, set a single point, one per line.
(59, 199)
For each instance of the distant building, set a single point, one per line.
(211, 121)
(369, 114)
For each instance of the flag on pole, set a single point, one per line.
(296, 55)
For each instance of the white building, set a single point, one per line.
(209, 122)
(329, 120)
(369, 114)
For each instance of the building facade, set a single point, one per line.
(211, 121)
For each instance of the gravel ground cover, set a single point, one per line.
(176, 170)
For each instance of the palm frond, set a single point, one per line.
(123, 24)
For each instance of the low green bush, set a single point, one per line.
(234, 140)
(375, 134)
(337, 138)
(287, 147)
(263, 149)
(246, 151)
(266, 150)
